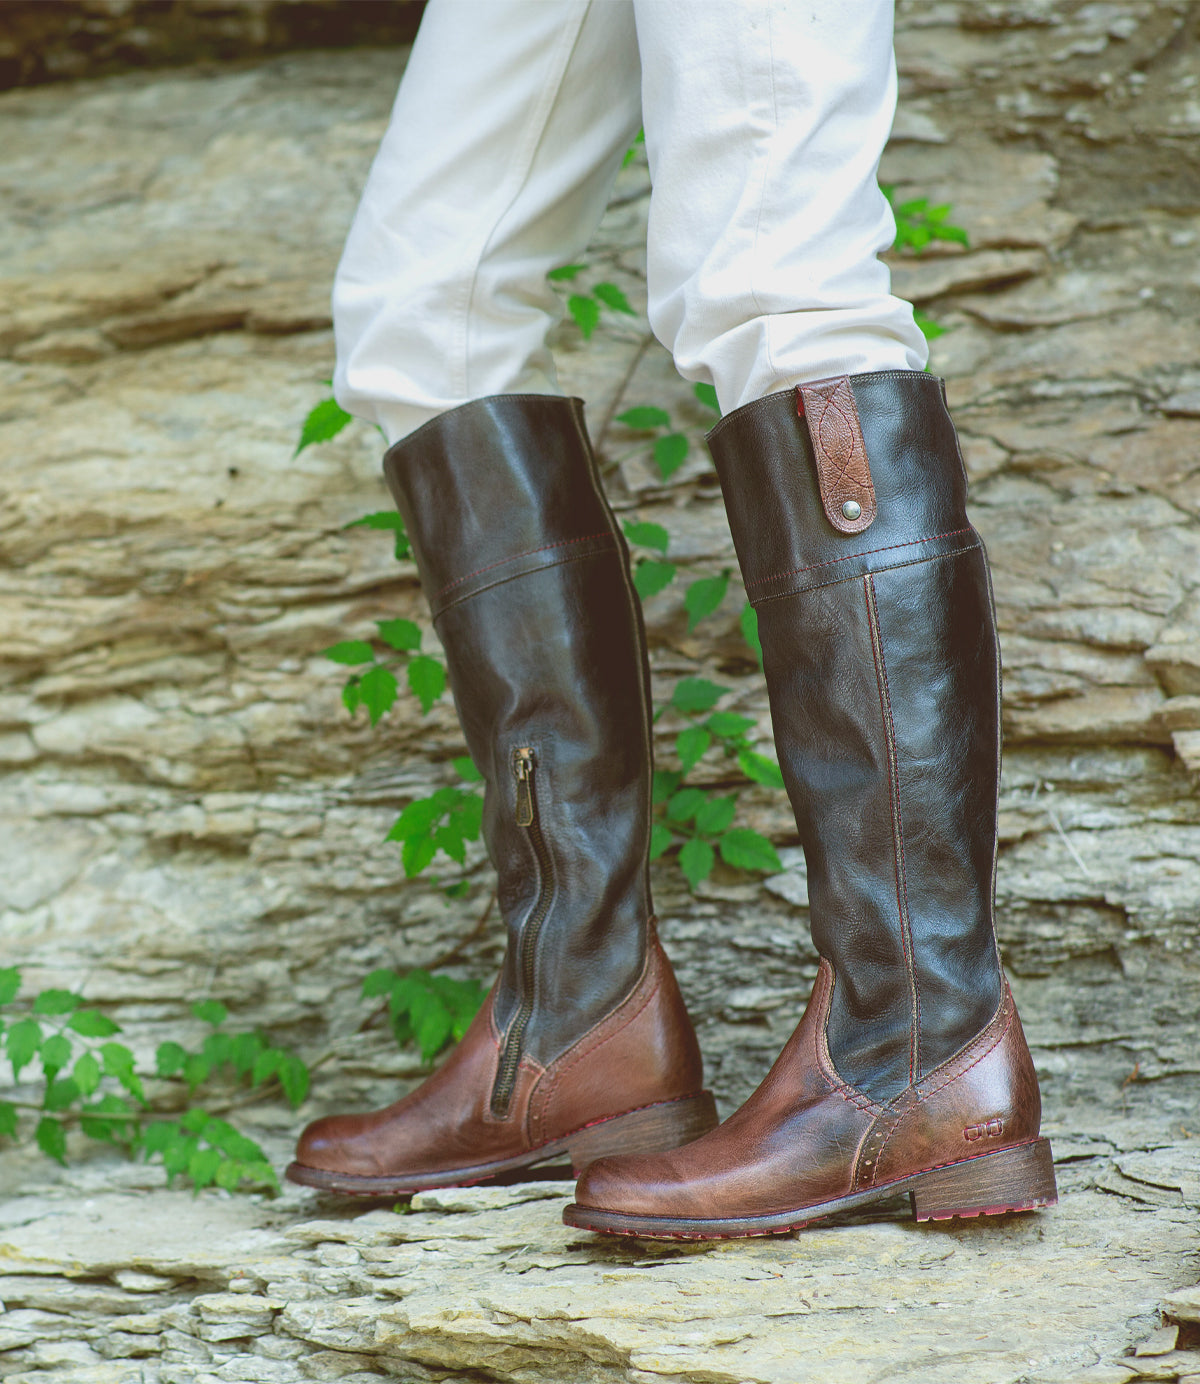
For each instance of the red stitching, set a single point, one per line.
(598, 1042)
(566, 543)
(956, 1076)
(889, 731)
(869, 552)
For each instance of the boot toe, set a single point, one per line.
(328, 1145)
(637, 1185)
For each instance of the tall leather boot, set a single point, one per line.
(584, 1046)
(909, 1070)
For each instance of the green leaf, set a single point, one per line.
(377, 690)
(265, 1066)
(448, 839)
(56, 1002)
(631, 152)
(749, 623)
(748, 850)
(107, 1119)
(565, 272)
(215, 1049)
(650, 577)
(61, 1093)
(324, 421)
(229, 1174)
(87, 1073)
(645, 418)
(293, 1077)
(691, 746)
(55, 1052)
(417, 819)
(52, 1139)
(90, 1023)
(464, 767)
(158, 1136)
(117, 1060)
(416, 855)
(350, 651)
(696, 694)
(426, 680)
(169, 1058)
(930, 329)
(378, 983)
(196, 1069)
(468, 816)
(202, 1166)
(586, 312)
(647, 535)
(661, 838)
(612, 297)
(707, 396)
(759, 768)
(715, 816)
(8, 1119)
(244, 1049)
(402, 635)
(210, 1012)
(10, 984)
(696, 861)
(729, 725)
(389, 520)
(703, 597)
(670, 453)
(665, 781)
(686, 803)
(350, 696)
(21, 1042)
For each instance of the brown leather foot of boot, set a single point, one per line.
(962, 1142)
(632, 1084)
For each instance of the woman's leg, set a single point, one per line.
(846, 498)
(765, 120)
(508, 130)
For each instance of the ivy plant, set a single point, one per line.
(85, 1079)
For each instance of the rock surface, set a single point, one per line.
(188, 812)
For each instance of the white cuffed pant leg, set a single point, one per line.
(764, 119)
(506, 136)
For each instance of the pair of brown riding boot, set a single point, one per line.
(909, 1070)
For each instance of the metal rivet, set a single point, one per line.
(851, 509)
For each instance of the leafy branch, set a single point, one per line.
(91, 1082)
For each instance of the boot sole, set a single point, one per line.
(648, 1129)
(1020, 1178)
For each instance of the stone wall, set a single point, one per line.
(57, 40)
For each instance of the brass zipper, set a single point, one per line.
(524, 763)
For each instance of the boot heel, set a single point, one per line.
(1016, 1179)
(653, 1129)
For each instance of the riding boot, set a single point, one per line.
(909, 1070)
(583, 1046)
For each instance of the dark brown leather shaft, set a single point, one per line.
(527, 575)
(882, 667)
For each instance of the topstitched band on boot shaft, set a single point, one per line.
(499, 488)
(770, 470)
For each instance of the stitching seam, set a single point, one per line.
(889, 732)
(849, 557)
(598, 1042)
(566, 543)
(889, 567)
(957, 1076)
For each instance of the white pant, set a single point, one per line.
(764, 121)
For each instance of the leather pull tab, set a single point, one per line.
(843, 471)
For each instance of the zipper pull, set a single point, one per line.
(523, 769)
